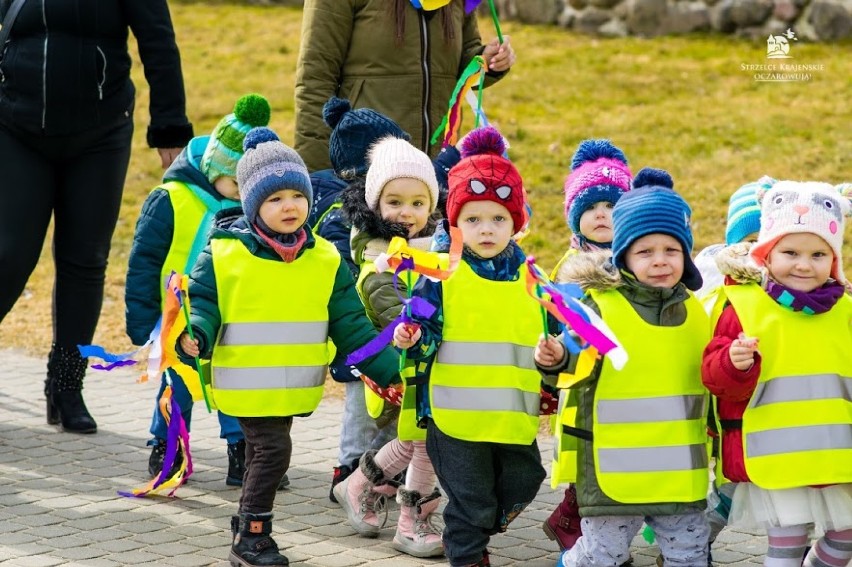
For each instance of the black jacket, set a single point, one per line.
(66, 68)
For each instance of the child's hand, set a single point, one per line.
(499, 57)
(406, 334)
(549, 352)
(742, 352)
(189, 346)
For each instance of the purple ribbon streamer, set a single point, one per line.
(419, 307)
(116, 364)
(471, 5)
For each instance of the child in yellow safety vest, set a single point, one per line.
(171, 231)
(641, 429)
(266, 295)
(780, 367)
(398, 198)
(482, 403)
(599, 177)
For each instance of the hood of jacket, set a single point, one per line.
(735, 262)
(369, 228)
(187, 167)
(590, 270)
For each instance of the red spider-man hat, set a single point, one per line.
(483, 174)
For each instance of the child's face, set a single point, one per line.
(752, 238)
(406, 200)
(227, 187)
(800, 261)
(656, 260)
(284, 211)
(486, 227)
(596, 222)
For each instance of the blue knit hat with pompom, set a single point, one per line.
(652, 207)
(352, 134)
(268, 166)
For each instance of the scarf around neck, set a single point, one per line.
(285, 245)
(820, 300)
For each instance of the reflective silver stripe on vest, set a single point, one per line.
(802, 388)
(666, 408)
(268, 377)
(252, 334)
(653, 459)
(485, 399)
(799, 439)
(486, 354)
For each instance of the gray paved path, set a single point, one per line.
(58, 501)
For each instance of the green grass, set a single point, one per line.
(680, 103)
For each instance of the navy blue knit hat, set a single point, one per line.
(268, 166)
(653, 207)
(352, 134)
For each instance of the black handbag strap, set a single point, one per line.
(8, 20)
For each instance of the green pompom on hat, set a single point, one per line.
(226, 142)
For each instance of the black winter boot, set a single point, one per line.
(63, 390)
(253, 546)
(236, 463)
(158, 455)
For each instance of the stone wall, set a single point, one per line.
(814, 20)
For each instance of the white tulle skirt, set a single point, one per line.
(828, 508)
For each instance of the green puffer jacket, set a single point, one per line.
(348, 49)
(348, 327)
(657, 306)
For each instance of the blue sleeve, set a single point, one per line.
(432, 328)
(336, 229)
(448, 157)
(151, 242)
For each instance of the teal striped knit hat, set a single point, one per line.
(744, 210)
(226, 142)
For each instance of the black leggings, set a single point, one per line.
(79, 179)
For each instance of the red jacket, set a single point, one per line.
(732, 387)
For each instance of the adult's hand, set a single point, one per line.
(499, 57)
(168, 155)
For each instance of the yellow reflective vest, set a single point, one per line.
(649, 418)
(484, 384)
(271, 352)
(797, 428)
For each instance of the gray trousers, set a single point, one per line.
(606, 540)
(358, 432)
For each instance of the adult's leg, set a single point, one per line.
(26, 204)
(90, 184)
(90, 170)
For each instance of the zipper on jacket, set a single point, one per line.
(103, 74)
(44, 69)
(424, 65)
